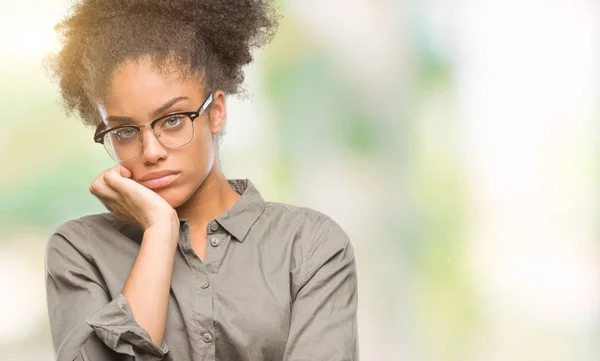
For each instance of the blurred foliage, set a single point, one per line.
(47, 158)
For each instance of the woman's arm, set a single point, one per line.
(147, 288)
(323, 322)
(86, 324)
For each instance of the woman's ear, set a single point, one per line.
(217, 112)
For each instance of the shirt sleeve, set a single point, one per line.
(323, 320)
(86, 324)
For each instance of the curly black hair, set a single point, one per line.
(212, 40)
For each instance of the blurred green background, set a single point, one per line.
(454, 141)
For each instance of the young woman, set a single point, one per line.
(187, 264)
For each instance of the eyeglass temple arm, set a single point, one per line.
(206, 103)
(99, 129)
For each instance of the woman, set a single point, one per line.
(187, 265)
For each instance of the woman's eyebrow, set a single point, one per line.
(155, 113)
(166, 106)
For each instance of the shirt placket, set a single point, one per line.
(202, 285)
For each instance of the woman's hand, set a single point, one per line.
(131, 202)
(147, 287)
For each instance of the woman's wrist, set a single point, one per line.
(167, 232)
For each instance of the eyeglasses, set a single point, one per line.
(175, 130)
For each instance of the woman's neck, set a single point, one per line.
(213, 198)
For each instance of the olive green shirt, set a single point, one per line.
(278, 283)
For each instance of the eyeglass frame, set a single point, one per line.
(99, 134)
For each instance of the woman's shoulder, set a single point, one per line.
(78, 226)
(294, 215)
(293, 211)
(75, 233)
(315, 226)
(316, 239)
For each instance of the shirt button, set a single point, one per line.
(207, 337)
(214, 242)
(214, 226)
(205, 285)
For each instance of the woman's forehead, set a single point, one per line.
(144, 76)
(141, 82)
(138, 94)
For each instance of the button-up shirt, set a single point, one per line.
(278, 282)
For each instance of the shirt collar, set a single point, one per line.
(238, 219)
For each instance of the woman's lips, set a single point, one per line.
(160, 182)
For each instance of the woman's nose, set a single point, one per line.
(152, 149)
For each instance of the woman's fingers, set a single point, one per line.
(101, 189)
(120, 184)
(124, 172)
(113, 207)
(108, 203)
(128, 200)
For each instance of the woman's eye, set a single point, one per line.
(126, 134)
(172, 122)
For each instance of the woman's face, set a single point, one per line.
(138, 94)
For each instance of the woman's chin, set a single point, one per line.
(171, 196)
